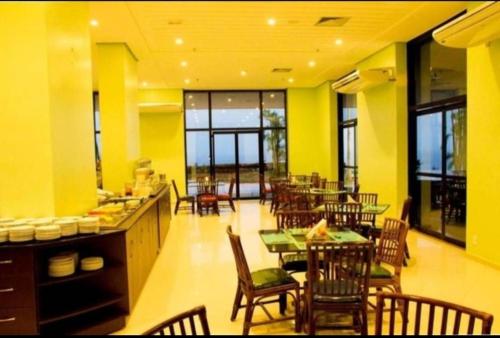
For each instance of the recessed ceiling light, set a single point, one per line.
(184, 63)
(229, 99)
(312, 63)
(271, 96)
(187, 81)
(94, 23)
(271, 21)
(243, 73)
(291, 80)
(338, 42)
(192, 104)
(179, 41)
(144, 83)
(190, 97)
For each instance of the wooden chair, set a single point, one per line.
(430, 315)
(264, 190)
(298, 199)
(180, 199)
(345, 216)
(182, 320)
(322, 183)
(229, 196)
(390, 251)
(207, 198)
(276, 187)
(260, 285)
(337, 281)
(335, 186)
(356, 188)
(376, 231)
(367, 220)
(315, 180)
(296, 262)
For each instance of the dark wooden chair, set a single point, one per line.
(298, 199)
(432, 315)
(337, 282)
(282, 197)
(276, 186)
(405, 212)
(356, 188)
(229, 196)
(315, 180)
(292, 219)
(390, 252)
(346, 216)
(260, 285)
(180, 199)
(335, 186)
(207, 197)
(322, 183)
(367, 220)
(185, 322)
(264, 190)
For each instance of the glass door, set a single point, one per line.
(237, 154)
(439, 185)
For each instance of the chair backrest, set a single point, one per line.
(430, 315)
(406, 209)
(244, 276)
(175, 189)
(356, 188)
(262, 182)
(231, 186)
(344, 215)
(335, 186)
(390, 249)
(288, 219)
(185, 323)
(299, 199)
(366, 198)
(337, 270)
(322, 183)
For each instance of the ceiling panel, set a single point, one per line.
(223, 38)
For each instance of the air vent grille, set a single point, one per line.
(332, 21)
(281, 70)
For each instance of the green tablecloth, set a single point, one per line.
(366, 209)
(275, 238)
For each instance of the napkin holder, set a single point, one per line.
(318, 231)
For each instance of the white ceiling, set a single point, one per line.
(223, 38)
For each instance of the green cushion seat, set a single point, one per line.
(271, 277)
(377, 271)
(339, 286)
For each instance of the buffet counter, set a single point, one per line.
(85, 302)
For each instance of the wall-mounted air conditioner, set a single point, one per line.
(160, 108)
(478, 26)
(360, 80)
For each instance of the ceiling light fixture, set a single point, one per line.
(179, 41)
(291, 80)
(312, 63)
(229, 99)
(271, 21)
(144, 83)
(243, 73)
(338, 42)
(187, 81)
(190, 97)
(271, 96)
(94, 23)
(184, 63)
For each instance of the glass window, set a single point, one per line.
(275, 152)
(196, 110)
(349, 107)
(440, 72)
(429, 143)
(235, 110)
(348, 121)
(456, 137)
(198, 157)
(273, 109)
(349, 147)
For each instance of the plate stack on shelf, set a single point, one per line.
(41, 222)
(47, 232)
(88, 225)
(6, 220)
(14, 224)
(4, 234)
(22, 233)
(62, 265)
(69, 227)
(92, 263)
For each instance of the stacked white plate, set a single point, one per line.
(92, 263)
(14, 224)
(4, 234)
(69, 227)
(22, 233)
(62, 265)
(6, 220)
(47, 232)
(26, 220)
(41, 222)
(88, 225)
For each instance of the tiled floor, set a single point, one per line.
(196, 266)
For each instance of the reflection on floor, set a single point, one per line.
(196, 266)
(454, 229)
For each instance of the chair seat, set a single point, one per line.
(340, 287)
(271, 277)
(186, 198)
(377, 271)
(295, 262)
(207, 198)
(223, 197)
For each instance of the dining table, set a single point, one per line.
(370, 209)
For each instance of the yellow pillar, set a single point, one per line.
(383, 131)
(117, 69)
(47, 162)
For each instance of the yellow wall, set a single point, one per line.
(312, 131)
(483, 162)
(383, 132)
(47, 161)
(162, 136)
(119, 114)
